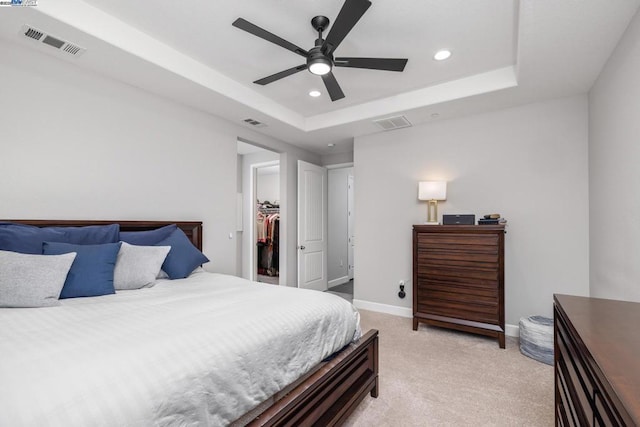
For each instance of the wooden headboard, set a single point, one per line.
(193, 229)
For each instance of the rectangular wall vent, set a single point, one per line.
(254, 123)
(392, 123)
(54, 42)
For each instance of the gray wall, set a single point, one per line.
(614, 173)
(269, 187)
(338, 225)
(94, 148)
(527, 163)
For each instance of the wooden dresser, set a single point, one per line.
(458, 278)
(597, 362)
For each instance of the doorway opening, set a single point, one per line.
(267, 222)
(341, 241)
(259, 188)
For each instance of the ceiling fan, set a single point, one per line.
(320, 58)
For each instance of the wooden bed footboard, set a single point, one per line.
(331, 393)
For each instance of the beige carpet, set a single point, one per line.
(439, 377)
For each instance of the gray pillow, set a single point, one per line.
(138, 266)
(32, 280)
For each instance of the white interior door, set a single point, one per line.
(350, 220)
(312, 226)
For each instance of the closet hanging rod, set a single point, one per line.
(269, 210)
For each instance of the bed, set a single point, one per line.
(149, 356)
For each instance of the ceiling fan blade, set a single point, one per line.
(387, 64)
(349, 15)
(264, 34)
(277, 76)
(332, 86)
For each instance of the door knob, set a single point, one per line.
(302, 248)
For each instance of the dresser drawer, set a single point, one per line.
(605, 414)
(433, 291)
(473, 278)
(463, 289)
(565, 410)
(579, 390)
(460, 310)
(455, 240)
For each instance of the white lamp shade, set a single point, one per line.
(432, 190)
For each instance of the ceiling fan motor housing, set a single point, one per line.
(318, 60)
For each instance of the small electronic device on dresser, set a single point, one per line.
(458, 219)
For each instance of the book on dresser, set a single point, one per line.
(458, 278)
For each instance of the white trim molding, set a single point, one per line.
(509, 330)
(384, 308)
(512, 330)
(338, 281)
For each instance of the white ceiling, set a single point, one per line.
(504, 53)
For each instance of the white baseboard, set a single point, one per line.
(384, 308)
(338, 281)
(509, 330)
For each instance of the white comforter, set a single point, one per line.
(199, 351)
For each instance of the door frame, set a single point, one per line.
(253, 195)
(350, 274)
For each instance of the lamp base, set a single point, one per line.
(431, 223)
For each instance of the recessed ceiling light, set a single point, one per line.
(315, 93)
(441, 55)
(331, 145)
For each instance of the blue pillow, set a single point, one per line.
(183, 257)
(147, 238)
(91, 273)
(26, 239)
(89, 235)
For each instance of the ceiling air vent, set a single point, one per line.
(34, 34)
(391, 123)
(254, 123)
(54, 42)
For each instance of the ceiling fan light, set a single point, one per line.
(320, 67)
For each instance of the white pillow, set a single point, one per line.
(32, 280)
(138, 266)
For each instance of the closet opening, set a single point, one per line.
(259, 201)
(267, 223)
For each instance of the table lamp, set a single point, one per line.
(432, 191)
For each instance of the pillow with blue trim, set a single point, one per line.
(26, 239)
(183, 257)
(147, 237)
(91, 273)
